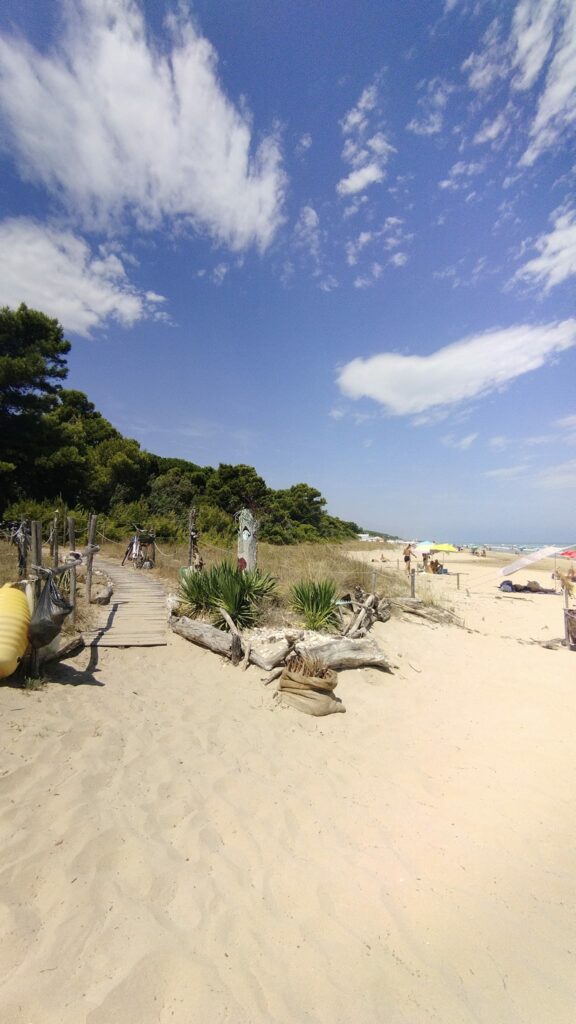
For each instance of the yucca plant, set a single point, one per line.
(239, 593)
(315, 600)
(195, 592)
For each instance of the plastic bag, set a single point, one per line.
(49, 614)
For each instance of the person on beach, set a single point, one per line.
(408, 555)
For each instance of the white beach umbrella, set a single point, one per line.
(534, 556)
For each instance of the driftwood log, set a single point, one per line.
(70, 649)
(203, 634)
(338, 653)
(414, 606)
(343, 652)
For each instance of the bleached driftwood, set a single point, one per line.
(335, 652)
(341, 653)
(203, 634)
(414, 606)
(357, 622)
(269, 655)
(67, 650)
(236, 650)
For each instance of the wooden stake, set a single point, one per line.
(36, 559)
(55, 541)
(72, 543)
(91, 541)
(412, 582)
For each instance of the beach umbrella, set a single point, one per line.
(444, 547)
(529, 559)
(424, 547)
(568, 554)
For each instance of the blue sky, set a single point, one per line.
(336, 242)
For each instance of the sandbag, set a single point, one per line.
(49, 614)
(312, 702)
(290, 680)
(311, 694)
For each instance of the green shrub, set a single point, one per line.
(315, 600)
(240, 594)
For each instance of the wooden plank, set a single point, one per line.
(137, 614)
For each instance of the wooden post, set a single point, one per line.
(566, 626)
(373, 581)
(36, 559)
(91, 541)
(72, 543)
(55, 541)
(194, 556)
(457, 581)
(247, 540)
(412, 582)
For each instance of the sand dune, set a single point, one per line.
(177, 848)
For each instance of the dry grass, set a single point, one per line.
(289, 565)
(8, 563)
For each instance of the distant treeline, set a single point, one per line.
(58, 452)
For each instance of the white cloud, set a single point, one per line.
(219, 272)
(560, 477)
(471, 368)
(567, 422)
(359, 180)
(506, 471)
(366, 148)
(116, 127)
(460, 173)
(491, 64)
(432, 105)
(461, 444)
(389, 236)
(556, 113)
(328, 283)
(399, 259)
(307, 231)
(535, 55)
(532, 30)
(303, 144)
(492, 130)
(556, 261)
(354, 248)
(55, 271)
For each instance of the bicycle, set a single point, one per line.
(141, 549)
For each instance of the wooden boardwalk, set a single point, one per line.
(137, 614)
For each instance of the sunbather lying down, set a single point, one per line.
(532, 587)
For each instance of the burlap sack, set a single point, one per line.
(310, 694)
(296, 680)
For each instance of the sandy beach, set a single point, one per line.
(177, 847)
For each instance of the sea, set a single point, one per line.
(523, 549)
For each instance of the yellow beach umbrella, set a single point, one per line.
(444, 547)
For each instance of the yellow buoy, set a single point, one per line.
(14, 622)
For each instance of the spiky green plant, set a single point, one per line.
(315, 600)
(239, 593)
(194, 592)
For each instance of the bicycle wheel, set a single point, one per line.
(128, 553)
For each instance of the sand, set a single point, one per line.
(178, 848)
